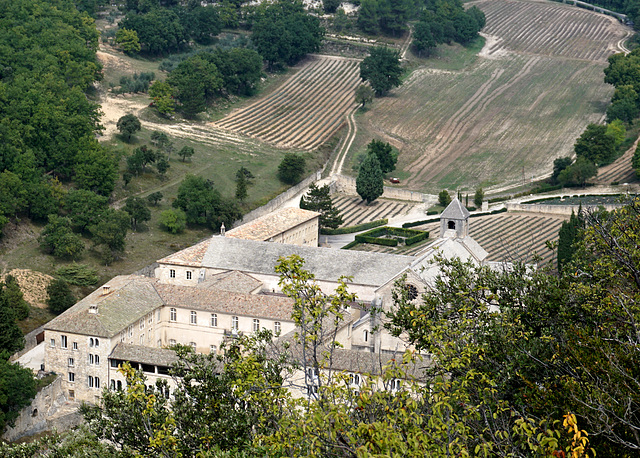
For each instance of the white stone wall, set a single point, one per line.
(305, 234)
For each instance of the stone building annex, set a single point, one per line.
(226, 286)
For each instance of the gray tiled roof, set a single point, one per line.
(234, 282)
(272, 224)
(145, 355)
(455, 210)
(213, 300)
(130, 299)
(326, 263)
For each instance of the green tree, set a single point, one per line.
(109, 234)
(96, 169)
(59, 296)
(330, 6)
(17, 389)
(478, 197)
(291, 168)
(159, 30)
(248, 176)
(385, 154)
(319, 200)
(623, 109)
(568, 238)
(195, 81)
(364, 95)
(15, 298)
(595, 145)
(381, 69)
(368, 20)
(616, 130)
(578, 173)
(137, 210)
(203, 204)
(84, 208)
(241, 187)
(128, 125)
(186, 152)
(444, 198)
(162, 94)
(173, 220)
(369, 183)
(128, 41)
(558, 166)
(11, 338)
(162, 166)
(635, 161)
(58, 239)
(423, 40)
(154, 198)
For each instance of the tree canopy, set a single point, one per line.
(369, 184)
(381, 69)
(291, 168)
(318, 199)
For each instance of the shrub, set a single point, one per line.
(60, 296)
(78, 274)
(173, 220)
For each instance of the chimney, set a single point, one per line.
(93, 308)
(222, 230)
(106, 289)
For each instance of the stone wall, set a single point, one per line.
(347, 185)
(49, 410)
(556, 209)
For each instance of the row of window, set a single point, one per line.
(93, 342)
(92, 359)
(172, 274)
(92, 382)
(235, 321)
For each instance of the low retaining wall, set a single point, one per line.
(556, 209)
(279, 199)
(347, 185)
(49, 410)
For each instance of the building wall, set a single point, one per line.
(305, 234)
(84, 365)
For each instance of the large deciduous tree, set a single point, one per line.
(128, 125)
(385, 153)
(382, 69)
(595, 145)
(203, 204)
(291, 168)
(195, 80)
(369, 183)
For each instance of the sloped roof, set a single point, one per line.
(191, 256)
(327, 264)
(455, 210)
(145, 355)
(212, 300)
(272, 224)
(234, 282)
(131, 297)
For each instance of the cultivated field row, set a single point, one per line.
(550, 29)
(306, 110)
(355, 211)
(621, 171)
(511, 236)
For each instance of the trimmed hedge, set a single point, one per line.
(416, 238)
(432, 212)
(376, 240)
(350, 245)
(411, 236)
(420, 223)
(356, 228)
(493, 212)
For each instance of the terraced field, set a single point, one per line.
(306, 110)
(620, 171)
(354, 211)
(529, 94)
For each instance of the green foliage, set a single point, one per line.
(382, 69)
(364, 94)
(138, 83)
(154, 198)
(444, 198)
(376, 240)
(128, 125)
(595, 145)
(369, 185)
(330, 6)
(173, 220)
(58, 239)
(478, 197)
(137, 209)
(617, 131)
(291, 168)
(568, 238)
(186, 152)
(14, 297)
(283, 32)
(17, 389)
(162, 94)
(635, 161)
(78, 274)
(385, 153)
(96, 168)
(375, 236)
(11, 338)
(59, 296)
(355, 228)
(578, 173)
(141, 157)
(128, 40)
(319, 200)
(241, 187)
(195, 81)
(84, 208)
(423, 40)
(203, 204)
(159, 30)
(109, 234)
(558, 166)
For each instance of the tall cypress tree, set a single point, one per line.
(369, 183)
(568, 236)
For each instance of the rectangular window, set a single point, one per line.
(90, 381)
(97, 382)
(72, 395)
(96, 360)
(72, 377)
(256, 325)
(234, 323)
(141, 325)
(172, 315)
(141, 339)
(52, 342)
(214, 320)
(63, 341)
(188, 275)
(90, 358)
(172, 273)
(151, 318)
(114, 363)
(75, 345)
(130, 331)
(277, 327)
(172, 342)
(159, 343)
(194, 318)
(212, 348)
(70, 362)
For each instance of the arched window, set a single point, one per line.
(91, 342)
(451, 224)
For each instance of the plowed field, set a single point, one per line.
(306, 110)
(521, 104)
